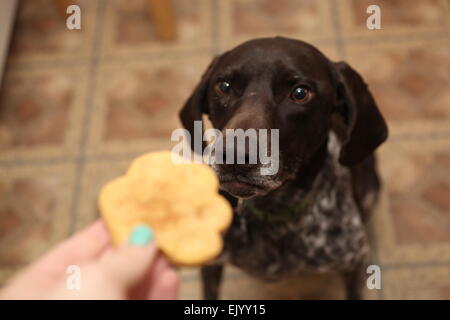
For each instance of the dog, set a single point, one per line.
(312, 214)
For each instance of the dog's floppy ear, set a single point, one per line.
(365, 126)
(196, 104)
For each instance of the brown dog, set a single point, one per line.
(309, 215)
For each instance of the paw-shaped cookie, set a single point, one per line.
(180, 202)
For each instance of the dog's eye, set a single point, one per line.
(223, 88)
(300, 94)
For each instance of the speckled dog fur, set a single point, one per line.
(311, 214)
(328, 235)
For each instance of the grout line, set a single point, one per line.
(36, 162)
(110, 59)
(340, 47)
(375, 253)
(418, 136)
(91, 86)
(337, 29)
(393, 38)
(154, 56)
(143, 56)
(384, 267)
(415, 265)
(124, 156)
(55, 64)
(215, 26)
(76, 159)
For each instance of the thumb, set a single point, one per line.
(127, 265)
(117, 271)
(131, 262)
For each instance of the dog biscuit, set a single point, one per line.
(180, 202)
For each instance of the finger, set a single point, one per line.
(82, 247)
(166, 286)
(143, 288)
(162, 283)
(113, 275)
(128, 265)
(87, 244)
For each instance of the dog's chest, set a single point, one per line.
(328, 235)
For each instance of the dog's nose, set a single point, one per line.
(239, 159)
(240, 150)
(234, 156)
(241, 136)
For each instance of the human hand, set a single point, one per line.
(126, 272)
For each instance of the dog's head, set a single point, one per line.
(279, 83)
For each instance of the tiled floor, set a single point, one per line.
(77, 106)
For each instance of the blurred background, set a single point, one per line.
(77, 105)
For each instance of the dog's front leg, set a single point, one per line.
(354, 282)
(211, 279)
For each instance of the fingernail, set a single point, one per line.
(141, 235)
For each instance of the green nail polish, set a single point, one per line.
(141, 235)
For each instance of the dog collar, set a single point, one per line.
(280, 214)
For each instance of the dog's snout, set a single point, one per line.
(234, 151)
(234, 155)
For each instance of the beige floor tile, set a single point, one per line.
(328, 48)
(410, 88)
(142, 84)
(245, 19)
(95, 175)
(42, 112)
(41, 34)
(417, 283)
(34, 211)
(238, 285)
(128, 29)
(137, 104)
(398, 18)
(409, 226)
